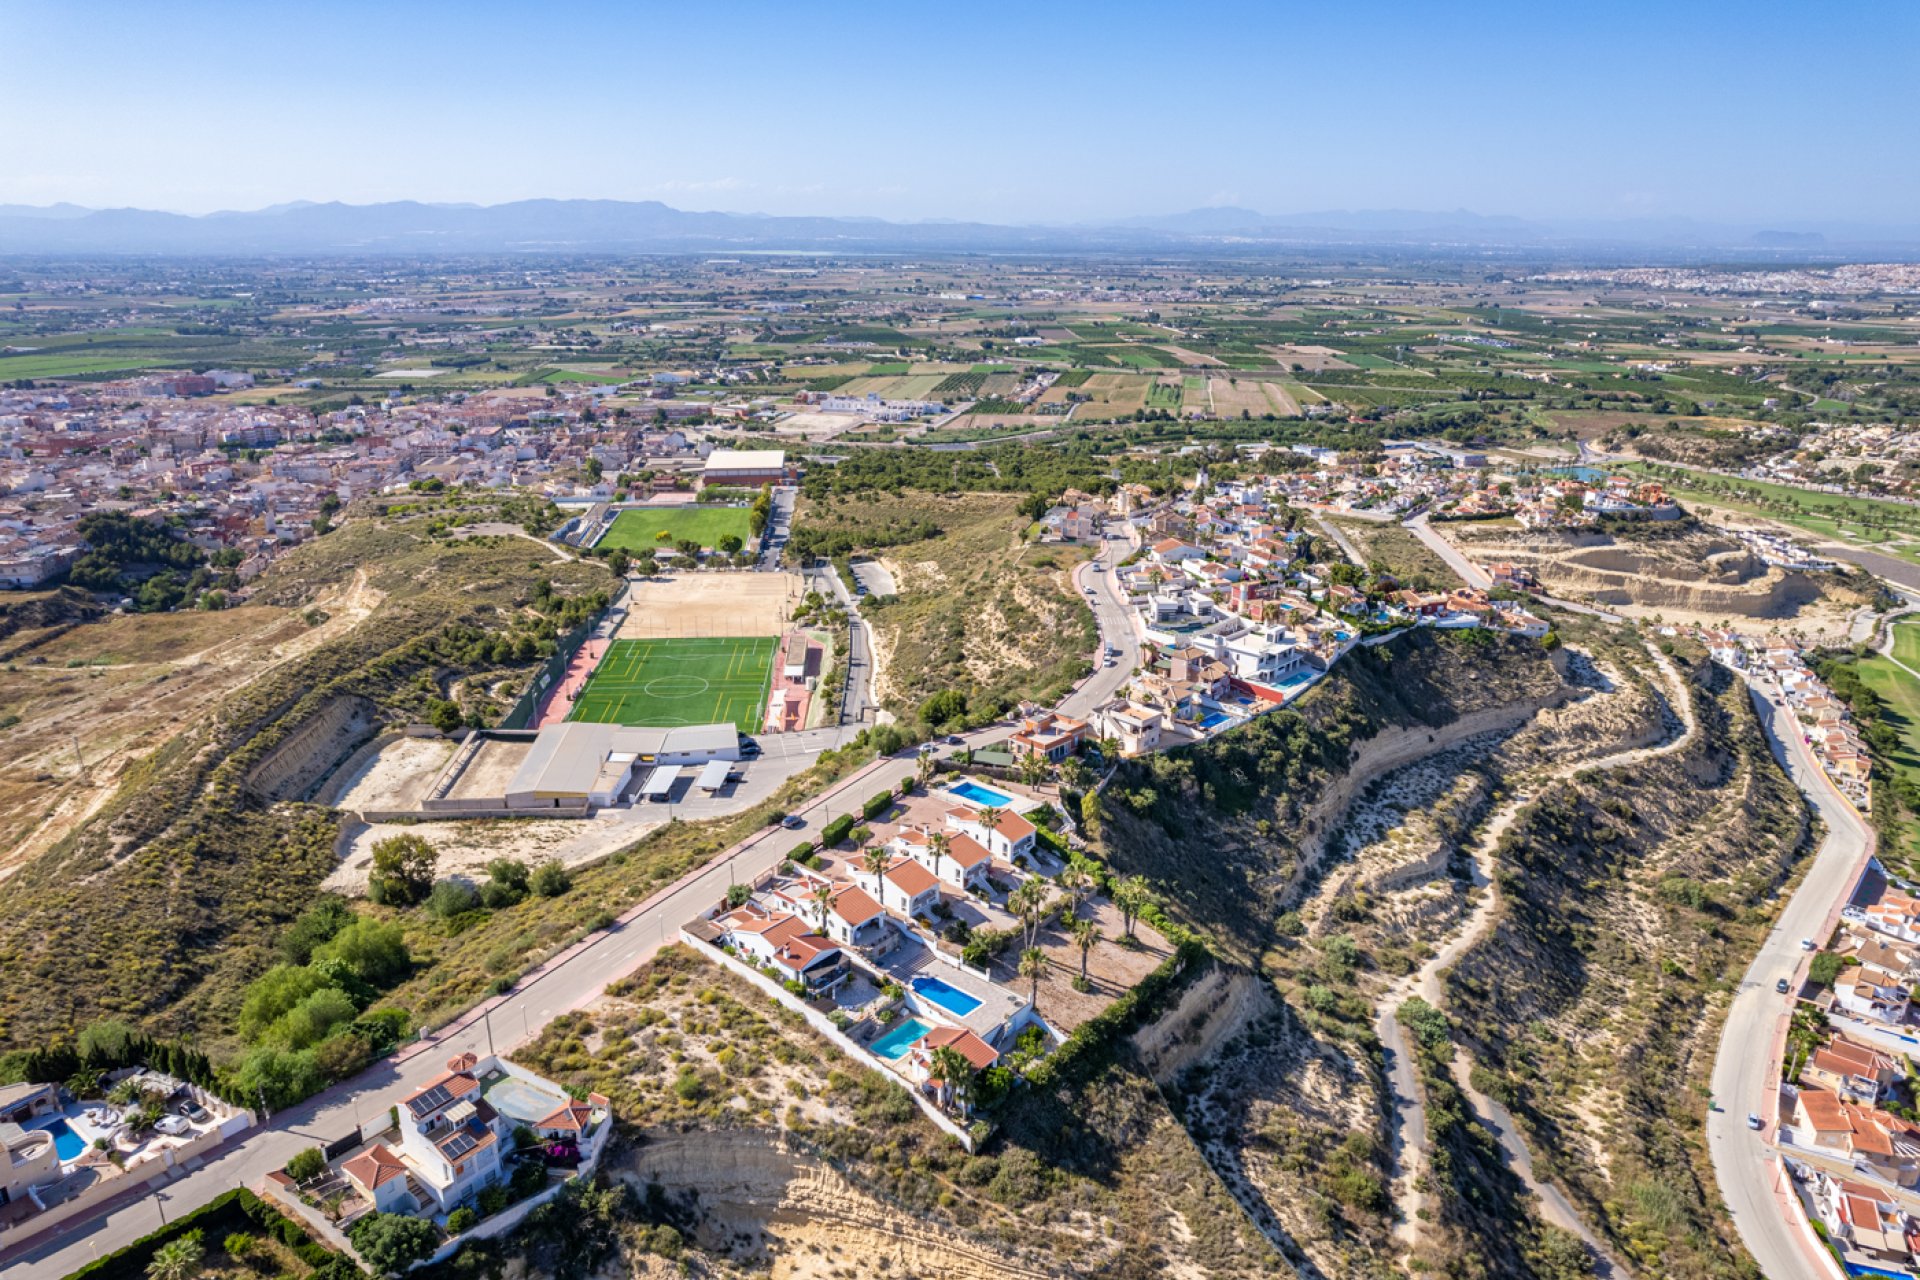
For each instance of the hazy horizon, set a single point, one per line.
(992, 114)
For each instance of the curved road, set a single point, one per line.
(1746, 1069)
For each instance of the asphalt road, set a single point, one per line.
(1746, 1069)
(564, 984)
(567, 983)
(1117, 628)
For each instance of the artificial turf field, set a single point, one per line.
(661, 683)
(640, 530)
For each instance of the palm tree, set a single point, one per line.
(1086, 936)
(989, 819)
(177, 1259)
(938, 845)
(1131, 897)
(924, 768)
(822, 898)
(1073, 882)
(1033, 768)
(1033, 967)
(875, 859)
(950, 1067)
(1029, 904)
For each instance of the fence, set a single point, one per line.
(838, 1038)
(522, 712)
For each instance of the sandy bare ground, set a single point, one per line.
(816, 426)
(1310, 358)
(113, 715)
(395, 777)
(465, 848)
(711, 604)
(1187, 357)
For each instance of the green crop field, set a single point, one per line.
(661, 683)
(1161, 395)
(641, 529)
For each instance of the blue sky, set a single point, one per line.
(1039, 111)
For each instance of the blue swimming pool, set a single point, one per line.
(67, 1144)
(948, 997)
(974, 793)
(893, 1046)
(1214, 719)
(1855, 1269)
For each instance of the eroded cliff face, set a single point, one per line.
(1235, 830)
(768, 1205)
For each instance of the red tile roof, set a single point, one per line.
(970, 1046)
(374, 1166)
(910, 878)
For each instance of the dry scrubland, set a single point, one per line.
(165, 901)
(1325, 853)
(85, 696)
(977, 609)
(770, 1151)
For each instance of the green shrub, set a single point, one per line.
(836, 831)
(306, 1164)
(550, 879)
(877, 805)
(462, 1220)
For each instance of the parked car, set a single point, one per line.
(1807, 944)
(955, 740)
(1782, 986)
(792, 821)
(1753, 1121)
(928, 748)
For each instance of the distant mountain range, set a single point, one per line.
(647, 226)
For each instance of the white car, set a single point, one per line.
(173, 1125)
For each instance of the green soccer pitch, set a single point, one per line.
(640, 530)
(661, 683)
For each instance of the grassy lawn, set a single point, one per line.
(659, 528)
(1906, 644)
(674, 682)
(1900, 693)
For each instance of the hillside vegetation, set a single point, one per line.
(978, 610)
(161, 906)
(1220, 827)
(1631, 904)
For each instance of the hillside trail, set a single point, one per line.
(1407, 1117)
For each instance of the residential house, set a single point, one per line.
(906, 887)
(1048, 734)
(1011, 836)
(964, 862)
(786, 940)
(1883, 1144)
(1864, 1216)
(1135, 728)
(1851, 1070)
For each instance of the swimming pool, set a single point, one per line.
(67, 1144)
(1215, 719)
(948, 997)
(893, 1046)
(974, 793)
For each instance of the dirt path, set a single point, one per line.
(1408, 1119)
